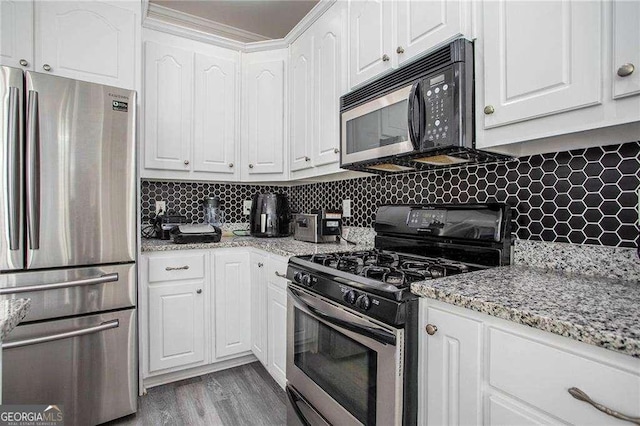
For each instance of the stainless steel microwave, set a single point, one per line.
(418, 116)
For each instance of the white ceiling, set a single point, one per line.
(271, 19)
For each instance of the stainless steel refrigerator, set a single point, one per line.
(67, 218)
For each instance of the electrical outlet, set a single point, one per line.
(346, 208)
(246, 207)
(161, 206)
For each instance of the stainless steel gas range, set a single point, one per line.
(352, 319)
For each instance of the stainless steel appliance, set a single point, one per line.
(322, 226)
(352, 320)
(417, 117)
(68, 209)
(270, 215)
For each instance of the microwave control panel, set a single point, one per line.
(438, 94)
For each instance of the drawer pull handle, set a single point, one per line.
(176, 268)
(278, 274)
(581, 396)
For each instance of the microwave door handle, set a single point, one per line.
(414, 95)
(376, 334)
(33, 170)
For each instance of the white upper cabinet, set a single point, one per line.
(216, 103)
(302, 105)
(263, 119)
(533, 69)
(371, 29)
(425, 24)
(168, 105)
(92, 41)
(16, 34)
(626, 48)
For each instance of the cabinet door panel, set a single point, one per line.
(278, 332)
(232, 306)
(302, 102)
(533, 70)
(626, 33)
(370, 38)
(176, 325)
(264, 140)
(92, 41)
(214, 139)
(167, 112)
(259, 306)
(422, 25)
(328, 85)
(16, 33)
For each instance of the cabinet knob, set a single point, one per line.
(400, 50)
(307, 158)
(260, 264)
(199, 291)
(24, 62)
(46, 67)
(626, 70)
(336, 151)
(231, 165)
(489, 109)
(431, 329)
(186, 162)
(385, 57)
(251, 166)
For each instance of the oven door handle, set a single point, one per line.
(376, 334)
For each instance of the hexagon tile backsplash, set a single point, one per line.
(586, 196)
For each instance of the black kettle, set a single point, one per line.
(270, 215)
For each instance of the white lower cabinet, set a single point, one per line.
(277, 321)
(259, 303)
(478, 369)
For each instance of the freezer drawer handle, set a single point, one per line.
(66, 335)
(107, 278)
(13, 170)
(33, 171)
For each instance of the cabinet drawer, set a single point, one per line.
(541, 375)
(174, 267)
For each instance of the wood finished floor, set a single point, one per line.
(245, 395)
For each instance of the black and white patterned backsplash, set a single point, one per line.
(586, 196)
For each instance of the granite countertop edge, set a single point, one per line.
(12, 311)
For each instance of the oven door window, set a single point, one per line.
(342, 367)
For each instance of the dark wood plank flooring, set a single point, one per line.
(245, 395)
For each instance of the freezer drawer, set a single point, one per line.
(87, 364)
(67, 292)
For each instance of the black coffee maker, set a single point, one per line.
(270, 215)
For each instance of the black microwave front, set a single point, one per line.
(423, 108)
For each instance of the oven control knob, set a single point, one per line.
(306, 280)
(350, 297)
(297, 277)
(363, 302)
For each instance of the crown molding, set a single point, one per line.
(182, 24)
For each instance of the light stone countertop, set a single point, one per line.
(12, 311)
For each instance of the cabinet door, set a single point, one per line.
(214, 136)
(176, 324)
(370, 39)
(302, 84)
(533, 69)
(232, 304)
(168, 80)
(450, 393)
(626, 33)
(264, 120)
(16, 34)
(91, 41)
(422, 25)
(278, 330)
(328, 86)
(259, 317)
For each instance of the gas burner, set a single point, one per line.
(375, 272)
(329, 260)
(415, 265)
(350, 264)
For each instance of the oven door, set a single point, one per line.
(378, 128)
(347, 368)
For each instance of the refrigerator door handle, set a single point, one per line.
(66, 335)
(13, 169)
(107, 278)
(33, 170)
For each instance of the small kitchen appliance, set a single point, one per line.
(352, 321)
(213, 214)
(165, 223)
(320, 226)
(197, 233)
(270, 215)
